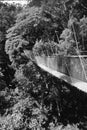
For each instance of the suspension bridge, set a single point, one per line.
(70, 69)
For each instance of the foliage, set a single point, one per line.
(73, 38)
(67, 43)
(7, 20)
(83, 32)
(22, 35)
(8, 17)
(45, 21)
(41, 102)
(35, 23)
(35, 3)
(45, 48)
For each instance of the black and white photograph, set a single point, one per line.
(43, 64)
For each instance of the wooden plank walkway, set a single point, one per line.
(72, 81)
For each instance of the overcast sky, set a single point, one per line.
(16, 1)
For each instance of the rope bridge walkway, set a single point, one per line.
(71, 69)
(68, 69)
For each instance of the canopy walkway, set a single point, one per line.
(68, 69)
(71, 69)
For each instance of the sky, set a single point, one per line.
(16, 1)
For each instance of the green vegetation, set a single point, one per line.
(31, 99)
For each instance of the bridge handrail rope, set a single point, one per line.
(77, 50)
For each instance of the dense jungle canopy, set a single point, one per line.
(31, 99)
